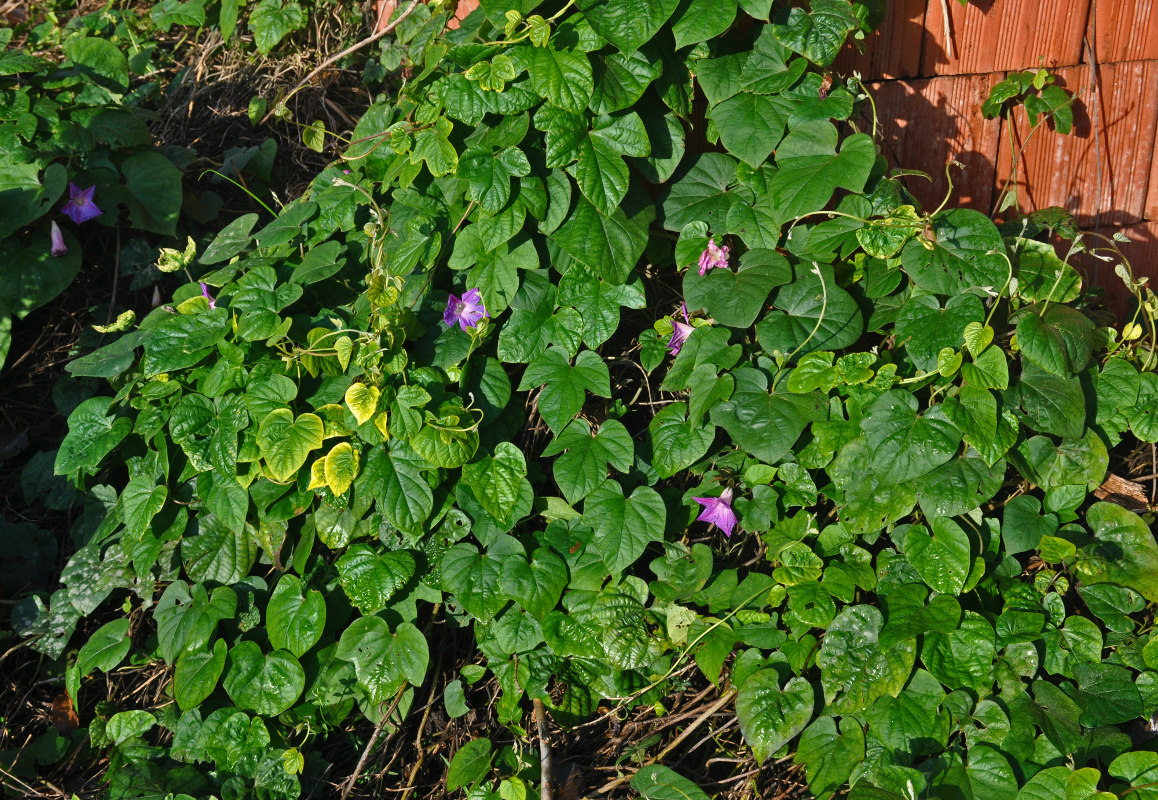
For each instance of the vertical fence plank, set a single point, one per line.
(1124, 30)
(926, 123)
(893, 50)
(1056, 170)
(993, 35)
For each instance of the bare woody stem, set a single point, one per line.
(394, 23)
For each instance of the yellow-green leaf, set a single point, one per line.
(317, 475)
(341, 467)
(344, 347)
(381, 422)
(362, 400)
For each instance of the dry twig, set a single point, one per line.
(385, 29)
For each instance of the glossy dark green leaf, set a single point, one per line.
(1060, 340)
(197, 674)
(964, 657)
(819, 32)
(1108, 696)
(489, 175)
(105, 649)
(476, 578)
(809, 168)
(767, 425)
(624, 525)
(925, 327)
(370, 578)
(703, 193)
(294, 622)
(609, 245)
(218, 552)
(965, 252)
(751, 125)
(1041, 275)
(620, 80)
(1052, 403)
(771, 716)
(812, 313)
(496, 480)
(183, 340)
(906, 444)
(583, 459)
(268, 684)
(627, 24)
(186, 619)
(565, 387)
(536, 586)
(384, 661)
(92, 433)
(564, 77)
(961, 484)
(1123, 550)
(735, 298)
(676, 441)
(943, 558)
(705, 346)
(232, 239)
(828, 755)
(854, 668)
(598, 302)
(1024, 524)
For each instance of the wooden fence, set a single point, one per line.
(929, 79)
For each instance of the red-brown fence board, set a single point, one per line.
(1002, 35)
(1124, 30)
(1151, 209)
(893, 50)
(927, 123)
(1117, 137)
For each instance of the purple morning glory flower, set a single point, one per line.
(207, 296)
(713, 256)
(59, 248)
(80, 206)
(466, 310)
(680, 332)
(718, 511)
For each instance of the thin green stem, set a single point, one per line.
(815, 329)
(243, 188)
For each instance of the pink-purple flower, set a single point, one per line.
(80, 206)
(207, 296)
(718, 511)
(713, 256)
(466, 310)
(680, 332)
(59, 248)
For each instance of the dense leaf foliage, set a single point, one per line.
(904, 414)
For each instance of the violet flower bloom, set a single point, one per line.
(466, 310)
(680, 332)
(207, 296)
(59, 248)
(80, 206)
(713, 256)
(718, 511)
